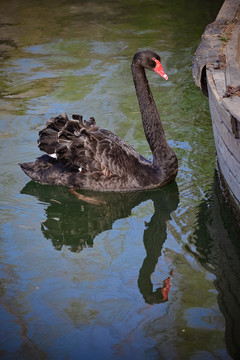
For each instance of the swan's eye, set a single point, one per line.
(154, 59)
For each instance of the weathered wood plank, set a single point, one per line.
(233, 185)
(232, 163)
(217, 62)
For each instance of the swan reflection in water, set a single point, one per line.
(74, 223)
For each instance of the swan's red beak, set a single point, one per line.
(159, 69)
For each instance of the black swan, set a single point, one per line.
(81, 155)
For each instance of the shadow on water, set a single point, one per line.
(74, 223)
(217, 248)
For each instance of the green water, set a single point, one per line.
(79, 281)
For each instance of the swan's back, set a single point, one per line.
(82, 155)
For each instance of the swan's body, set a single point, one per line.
(88, 157)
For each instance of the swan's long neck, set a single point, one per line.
(151, 120)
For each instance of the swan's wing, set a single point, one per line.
(83, 146)
(48, 136)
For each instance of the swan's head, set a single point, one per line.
(151, 61)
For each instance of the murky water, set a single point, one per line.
(79, 281)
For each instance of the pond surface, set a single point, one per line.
(80, 281)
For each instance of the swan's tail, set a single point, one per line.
(46, 170)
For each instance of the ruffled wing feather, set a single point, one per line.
(84, 147)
